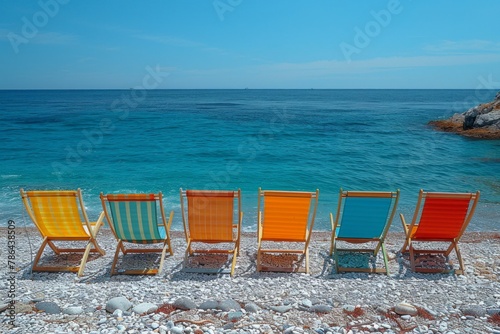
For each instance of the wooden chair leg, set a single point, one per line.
(336, 258)
(84, 259)
(115, 259)
(233, 264)
(450, 248)
(332, 243)
(98, 248)
(39, 254)
(259, 260)
(384, 254)
(405, 246)
(412, 258)
(53, 247)
(163, 253)
(186, 256)
(460, 261)
(307, 260)
(170, 250)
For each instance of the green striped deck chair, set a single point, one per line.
(61, 216)
(138, 219)
(362, 217)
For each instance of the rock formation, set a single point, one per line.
(482, 121)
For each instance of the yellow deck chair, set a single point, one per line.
(138, 219)
(61, 216)
(209, 217)
(439, 217)
(363, 217)
(285, 216)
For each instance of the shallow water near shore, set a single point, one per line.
(147, 141)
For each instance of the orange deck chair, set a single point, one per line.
(138, 219)
(286, 216)
(439, 217)
(61, 216)
(210, 217)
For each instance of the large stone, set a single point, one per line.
(252, 308)
(281, 309)
(209, 305)
(405, 309)
(22, 308)
(469, 118)
(319, 308)
(48, 307)
(481, 121)
(228, 305)
(185, 304)
(488, 119)
(176, 330)
(118, 303)
(349, 308)
(145, 308)
(3, 307)
(73, 310)
(493, 311)
(474, 310)
(457, 118)
(234, 316)
(37, 297)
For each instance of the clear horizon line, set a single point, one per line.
(246, 88)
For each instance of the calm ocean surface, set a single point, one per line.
(131, 141)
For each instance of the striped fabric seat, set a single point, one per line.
(286, 212)
(59, 212)
(138, 219)
(285, 216)
(61, 216)
(439, 217)
(210, 216)
(135, 218)
(363, 217)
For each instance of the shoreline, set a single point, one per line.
(320, 302)
(452, 126)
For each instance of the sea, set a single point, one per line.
(144, 141)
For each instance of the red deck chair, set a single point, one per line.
(439, 217)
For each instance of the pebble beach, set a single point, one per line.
(323, 301)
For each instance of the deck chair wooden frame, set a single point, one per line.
(285, 216)
(363, 217)
(209, 217)
(61, 216)
(133, 219)
(439, 217)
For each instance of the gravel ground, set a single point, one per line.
(320, 302)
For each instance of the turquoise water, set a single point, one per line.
(148, 141)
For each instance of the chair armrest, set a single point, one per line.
(332, 222)
(97, 224)
(403, 221)
(259, 224)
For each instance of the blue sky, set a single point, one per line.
(56, 44)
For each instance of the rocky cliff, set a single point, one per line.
(482, 121)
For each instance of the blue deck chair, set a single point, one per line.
(134, 218)
(363, 217)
